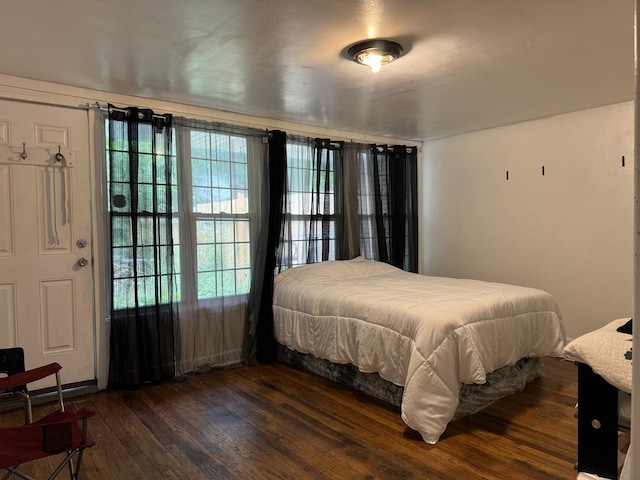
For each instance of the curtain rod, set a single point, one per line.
(266, 127)
(48, 104)
(103, 107)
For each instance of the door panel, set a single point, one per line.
(46, 296)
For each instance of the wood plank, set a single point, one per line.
(275, 422)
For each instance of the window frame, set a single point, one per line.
(189, 218)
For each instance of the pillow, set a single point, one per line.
(604, 351)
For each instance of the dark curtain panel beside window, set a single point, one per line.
(140, 207)
(411, 197)
(277, 158)
(388, 198)
(402, 164)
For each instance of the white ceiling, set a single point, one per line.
(469, 64)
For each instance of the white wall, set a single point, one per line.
(569, 232)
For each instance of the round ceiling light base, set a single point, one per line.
(375, 53)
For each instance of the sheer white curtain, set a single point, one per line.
(97, 118)
(222, 170)
(358, 206)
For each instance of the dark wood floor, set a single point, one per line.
(274, 422)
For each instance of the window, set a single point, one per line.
(210, 195)
(140, 247)
(220, 213)
(311, 207)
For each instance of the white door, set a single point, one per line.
(46, 289)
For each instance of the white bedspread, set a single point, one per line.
(427, 334)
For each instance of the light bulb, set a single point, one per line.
(373, 61)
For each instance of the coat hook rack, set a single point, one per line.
(23, 155)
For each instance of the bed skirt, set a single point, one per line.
(473, 398)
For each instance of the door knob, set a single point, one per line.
(82, 262)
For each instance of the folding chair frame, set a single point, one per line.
(17, 383)
(63, 431)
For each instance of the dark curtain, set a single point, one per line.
(277, 159)
(394, 183)
(325, 216)
(140, 211)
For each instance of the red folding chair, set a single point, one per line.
(61, 432)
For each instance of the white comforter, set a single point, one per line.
(427, 334)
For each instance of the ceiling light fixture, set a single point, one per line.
(375, 53)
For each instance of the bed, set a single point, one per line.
(427, 335)
(603, 357)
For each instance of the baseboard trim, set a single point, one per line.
(10, 401)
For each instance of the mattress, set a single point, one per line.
(427, 334)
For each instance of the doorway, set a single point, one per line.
(46, 248)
